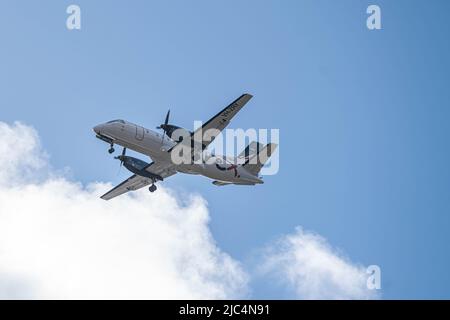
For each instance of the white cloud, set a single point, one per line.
(59, 240)
(21, 155)
(308, 265)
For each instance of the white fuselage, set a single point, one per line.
(154, 145)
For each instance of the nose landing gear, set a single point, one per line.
(111, 150)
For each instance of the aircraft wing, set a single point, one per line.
(136, 182)
(223, 118)
(212, 128)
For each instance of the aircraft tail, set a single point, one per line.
(254, 162)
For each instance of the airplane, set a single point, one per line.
(161, 148)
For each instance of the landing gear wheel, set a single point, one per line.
(111, 150)
(152, 188)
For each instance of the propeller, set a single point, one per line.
(122, 159)
(164, 125)
(122, 156)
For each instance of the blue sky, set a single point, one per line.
(363, 115)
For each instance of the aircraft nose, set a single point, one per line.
(97, 129)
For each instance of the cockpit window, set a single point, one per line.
(117, 121)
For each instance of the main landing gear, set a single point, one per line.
(152, 188)
(111, 150)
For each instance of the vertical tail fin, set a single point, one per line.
(251, 150)
(255, 162)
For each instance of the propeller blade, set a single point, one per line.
(121, 158)
(124, 150)
(166, 122)
(167, 118)
(164, 126)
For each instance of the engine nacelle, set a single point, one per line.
(138, 167)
